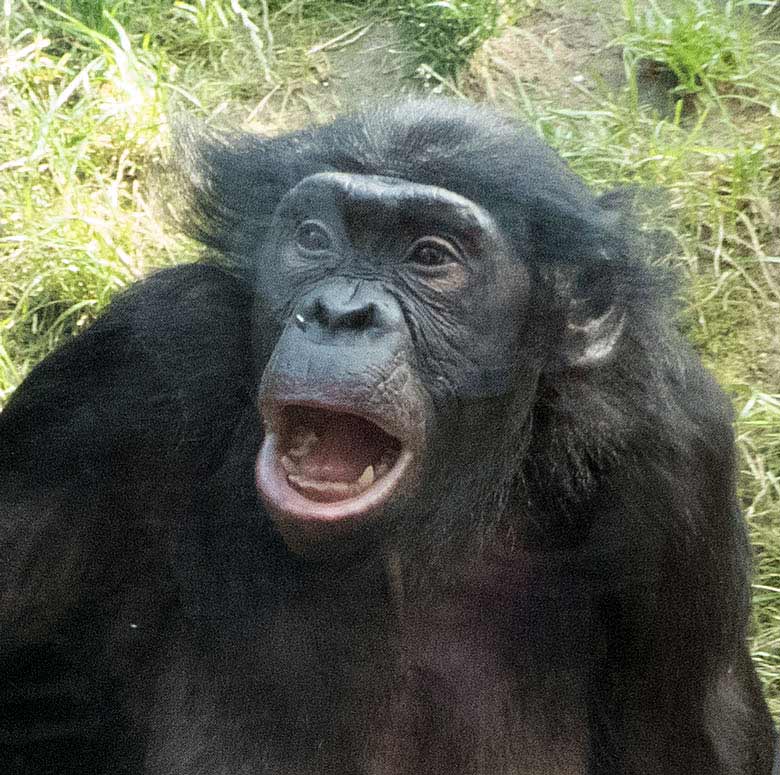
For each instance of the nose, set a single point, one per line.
(345, 308)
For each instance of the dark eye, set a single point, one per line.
(312, 236)
(431, 252)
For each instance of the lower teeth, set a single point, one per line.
(341, 489)
(302, 445)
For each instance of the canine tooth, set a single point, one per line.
(287, 464)
(303, 443)
(367, 477)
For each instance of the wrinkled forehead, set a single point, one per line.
(379, 203)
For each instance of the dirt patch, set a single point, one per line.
(376, 66)
(565, 58)
(358, 68)
(561, 57)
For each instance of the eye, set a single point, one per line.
(313, 237)
(432, 252)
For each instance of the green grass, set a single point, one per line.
(88, 87)
(445, 34)
(759, 442)
(706, 45)
(83, 113)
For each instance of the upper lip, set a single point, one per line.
(272, 411)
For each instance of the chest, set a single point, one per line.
(449, 687)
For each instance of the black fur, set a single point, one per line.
(565, 592)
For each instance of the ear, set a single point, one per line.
(593, 319)
(589, 341)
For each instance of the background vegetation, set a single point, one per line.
(87, 89)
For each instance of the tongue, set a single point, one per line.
(345, 446)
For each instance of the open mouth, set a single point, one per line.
(319, 464)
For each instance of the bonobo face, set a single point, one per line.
(398, 306)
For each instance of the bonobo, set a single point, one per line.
(411, 475)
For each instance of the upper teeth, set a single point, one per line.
(303, 443)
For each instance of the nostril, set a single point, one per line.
(320, 313)
(358, 319)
